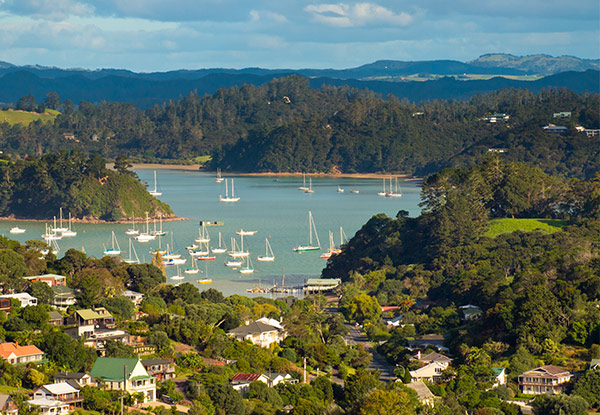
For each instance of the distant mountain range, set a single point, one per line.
(385, 77)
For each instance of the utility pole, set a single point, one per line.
(124, 387)
(305, 370)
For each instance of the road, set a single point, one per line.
(355, 336)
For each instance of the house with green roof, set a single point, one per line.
(127, 374)
(98, 317)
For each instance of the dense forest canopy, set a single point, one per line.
(286, 125)
(83, 187)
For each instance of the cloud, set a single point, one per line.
(47, 9)
(357, 15)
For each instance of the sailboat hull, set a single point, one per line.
(306, 248)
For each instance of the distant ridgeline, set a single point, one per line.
(37, 188)
(525, 281)
(289, 125)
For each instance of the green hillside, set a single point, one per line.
(506, 225)
(25, 117)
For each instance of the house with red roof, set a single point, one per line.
(15, 354)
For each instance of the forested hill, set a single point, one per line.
(530, 285)
(286, 125)
(37, 188)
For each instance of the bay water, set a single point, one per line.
(271, 205)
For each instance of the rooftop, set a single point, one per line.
(112, 368)
(6, 349)
(253, 328)
(246, 377)
(60, 388)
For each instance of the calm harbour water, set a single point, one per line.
(273, 206)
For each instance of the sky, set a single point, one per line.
(161, 35)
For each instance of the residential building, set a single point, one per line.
(271, 322)
(554, 129)
(63, 392)
(496, 117)
(161, 369)
(544, 379)
(5, 304)
(53, 280)
(25, 298)
(74, 378)
(15, 354)
(423, 393)
(56, 319)
(135, 297)
(321, 284)
(433, 340)
(433, 357)
(274, 379)
(241, 381)
(591, 132)
(563, 114)
(96, 326)
(124, 374)
(497, 150)
(98, 317)
(258, 333)
(7, 405)
(395, 322)
(431, 372)
(50, 406)
(470, 312)
(499, 376)
(63, 297)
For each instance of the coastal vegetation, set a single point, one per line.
(286, 125)
(37, 188)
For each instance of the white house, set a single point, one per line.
(499, 376)
(50, 406)
(470, 312)
(25, 298)
(241, 381)
(62, 392)
(135, 297)
(258, 333)
(423, 393)
(431, 372)
(110, 372)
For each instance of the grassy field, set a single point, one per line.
(498, 226)
(24, 117)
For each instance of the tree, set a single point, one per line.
(588, 387)
(389, 402)
(36, 316)
(144, 277)
(120, 307)
(559, 405)
(226, 399)
(364, 308)
(42, 291)
(12, 268)
(122, 165)
(26, 103)
(90, 291)
(359, 386)
(52, 101)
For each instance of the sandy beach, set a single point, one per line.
(97, 221)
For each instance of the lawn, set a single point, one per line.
(24, 117)
(499, 226)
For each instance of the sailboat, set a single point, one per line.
(219, 179)
(16, 229)
(269, 256)
(113, 251)
(242, 232)
(248, 269)
(50, 235)
(303, 187)
(340, 190)
(194, 269)
(327, 255)
(221, 248)
(60, 228)
(178, 276)
(155, 192)
(146, 236)
(69, 232)
(170, 254)
(159, 231)
(310, 246)
(228, 198)
(132, 230)
(131, 259)
(159, 250)
(233, 263)
(310, 189)
(383, 193)
(234, 253)
(395, 192)
(203, 236)
(205, 280)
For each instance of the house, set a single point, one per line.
(74, 378)
(271, 322)
(241, 381)
(395, 322)
(25, 298)
(50, 406)
(127, 374)
(496, 117)
(5, 304)
(431, 372)
(428, 358)
(258, 333)
(161, 369)
(98, 317)
(544, 379)
(499, 376)
(594, 364)
(423, 393)
(16, 354)
(63, 297)
(135, 297)
(7, 405)
(56, 319)
(470, 312)
(63, 392)
(321, 284)
(53, 280)
(274, 379)
(591, 132)
(554, 129)
(497, 150)
(434, 340)
(564, 114)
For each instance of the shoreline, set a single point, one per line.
(197, 167)
(93, 221)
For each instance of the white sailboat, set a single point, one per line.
(310, 189)
(248, 269)
(133, 256)
(235, 253)
(303, 187)
(242, 232)
(69, 232)
(113, 251)
(16, 229)
(383, 193)
(269, 256)
(219, 179)
(203, 236)
(146, 236)
(340, 190)
(221, 249)
(60, 228)
(395, 192)
(132, 231)
(228, 198)
(233, 263)
(178, 276)
(155, 191)
(310, 246)
(329, 252)
(158, 231)
(193, 269)
(50, 235)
